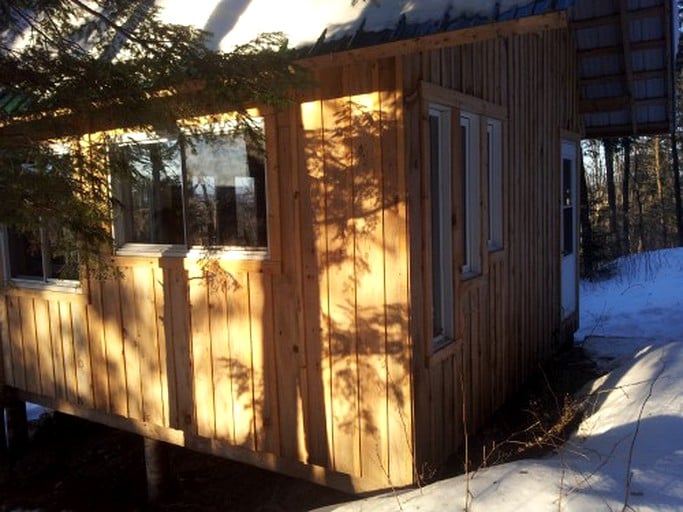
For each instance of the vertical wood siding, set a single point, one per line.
(305, 364)
(508, 318)
(302, 359)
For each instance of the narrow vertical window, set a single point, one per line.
(495, 175)
(441, 229)
(471, 190)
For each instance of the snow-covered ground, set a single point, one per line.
(628, 453)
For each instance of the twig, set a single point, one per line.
(629, 472)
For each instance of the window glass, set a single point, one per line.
(42, 255)
(200, 190)
(226, 192)
(148, 191)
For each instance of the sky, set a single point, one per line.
(628, 450)
(239, 21)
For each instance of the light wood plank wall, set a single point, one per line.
(302, 361)
(508, 318)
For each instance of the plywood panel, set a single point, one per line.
(263, 362)
(241, 370)
(342, 307)
(44, 346)
(82, 354)
(70, 379)
(221, 359)
(316, 284)
(148, 345)
(176, 317)
(7, 366)
(131, 342)
(116, 368)
(398, 355)
(98, 350)
(57, 350)
(368, 205)
(202, 376)
(166, 375)
(30, 350)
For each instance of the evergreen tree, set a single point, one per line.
(73, 67)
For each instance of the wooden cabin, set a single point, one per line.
(394, 269)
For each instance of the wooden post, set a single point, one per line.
(3, 437)
(17, 427)
(157, 469)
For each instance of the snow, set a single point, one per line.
(628, 452)
(303, 21)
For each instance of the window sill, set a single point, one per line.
(468, 275)
(230, 259)
(195, 253)
(52, 285)
(495, 247)
(441, 342)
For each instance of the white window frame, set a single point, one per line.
(441, 185)
(471, 187)
(226, 252)
(46, 283)
(494, 131)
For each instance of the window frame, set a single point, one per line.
(470, 267)
(37, 283)
(444, 259)
(263, 258)
(470, 159)
(494, 148)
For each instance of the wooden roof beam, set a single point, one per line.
(628, 61)
(598, 132)
(618, 77)
(668, 22)
(618, 103)
(650, 44)
(612, 19)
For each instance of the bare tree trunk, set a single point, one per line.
(639, 202)
(677, 186)
(626, 224)
(587, 246)
(660, 190)
(611, 197)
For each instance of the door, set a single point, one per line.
(569, 228)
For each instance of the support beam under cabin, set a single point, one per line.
(157, 469)
(16, 426)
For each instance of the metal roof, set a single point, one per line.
(448, 19)
(625, 53)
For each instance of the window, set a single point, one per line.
(568, 201)
(494, 146)
(471, 191)
(442, 239)
(45, 254)
(198, 190)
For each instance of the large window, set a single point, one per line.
(471, 190)
(197, 190)
(440, 172)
